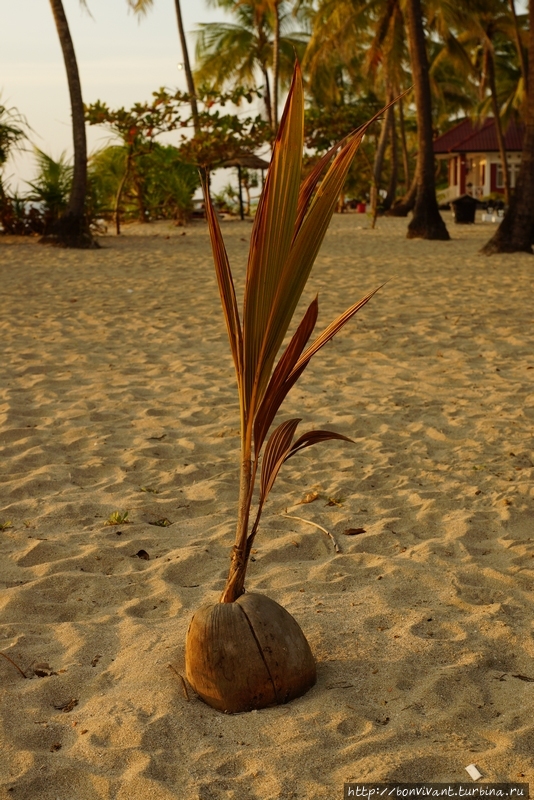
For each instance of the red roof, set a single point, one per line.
(466, 137)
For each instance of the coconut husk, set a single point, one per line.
(247, 655)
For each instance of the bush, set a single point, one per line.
(51, 188)
(155, 184)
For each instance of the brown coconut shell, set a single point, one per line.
(248, 654)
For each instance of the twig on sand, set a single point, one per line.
(12, 662)
(184, 685)
(337, 548)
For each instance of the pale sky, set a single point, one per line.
(122, 58)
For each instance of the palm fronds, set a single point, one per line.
(289, 227)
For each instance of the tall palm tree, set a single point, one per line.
(519, 43)
(426, 222)
(349, 55)
(261, 39)
(333, 63)
(481, 50)
(72, 228)
(275, 9)
(141, 7)
(384, 61)
(516, 231)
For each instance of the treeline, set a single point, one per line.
(439, 59)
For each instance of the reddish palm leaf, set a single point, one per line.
(330, 332)
(310, 182)
(305, 247)
(278, 386)
(275, 454)
(314, 437)
(308, 185)
(271, 239)
(313, 217)
(226, 285)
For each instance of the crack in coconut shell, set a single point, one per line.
(260, 651)
(247, 654)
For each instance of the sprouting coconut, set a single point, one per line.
(246, 651)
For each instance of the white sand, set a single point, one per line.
(116, 375)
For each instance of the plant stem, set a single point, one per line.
(236, 577)
(12, 662)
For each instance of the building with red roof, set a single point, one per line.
(473, 157)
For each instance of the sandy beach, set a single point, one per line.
(117, 395)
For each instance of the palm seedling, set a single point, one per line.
(246, 651)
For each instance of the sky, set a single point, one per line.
(122, 59)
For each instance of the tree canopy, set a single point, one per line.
(442, 59)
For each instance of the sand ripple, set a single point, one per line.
(117, 395)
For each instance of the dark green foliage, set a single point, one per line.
(13, 128)
(14, 215)
(51, 187)
(18, 217)
(324, 126)
(159, 183)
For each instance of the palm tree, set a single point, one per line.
(358, 46)
(333, 63)
(426, 222)
(72, 228)
(482, 50)
(519, 44)
(385, 58)
(261, 39)
(275, 8)
(516, 231)
(141, 7)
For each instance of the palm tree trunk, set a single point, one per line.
(426, 222)
(394, 164)
(187, 68)
(519, 46)
(407, 203)
(72, 229)
(276, 63)
(379, 158)
(516, 231)
(405, 156)
(490, 71)
(268, 105)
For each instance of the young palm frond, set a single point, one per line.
(246, 651)
(290, 224)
